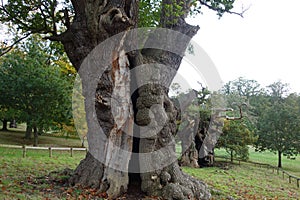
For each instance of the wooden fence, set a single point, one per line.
(72, 149)
(268, 166)
(50, 149)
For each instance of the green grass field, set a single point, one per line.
(267, 157)
(19, 177)
(16, 137)
(245, 182)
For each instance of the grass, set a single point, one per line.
(19, 177)
(245, 182)
(292, 166)
(15, 136)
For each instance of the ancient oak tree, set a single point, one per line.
(81, 26)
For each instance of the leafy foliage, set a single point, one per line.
(53, 17)
(31, 85)
(279, 123)
(235, 139)
(238, 134)
(149, 13)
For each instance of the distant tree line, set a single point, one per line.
(265, 118)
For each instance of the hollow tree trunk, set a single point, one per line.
(188, 129)
(189, 154)
(111, 110)
(4, 125)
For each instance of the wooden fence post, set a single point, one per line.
(298, 182)
(50, 152)
(24, 151)
(283, 174)
(71, 152)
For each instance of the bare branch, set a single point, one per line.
(221, 10)
(7, 49)
(67, 18)
(63, 37)
(241, 113)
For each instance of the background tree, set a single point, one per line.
(238, 134)
(33, 87)
(242, 87)
(278, 124)
(235, 139)
(242, 90)
(80, 26)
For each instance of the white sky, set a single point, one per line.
(264, 45)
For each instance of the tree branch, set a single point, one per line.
(241, 113)
(67, 18)
(7, 49)
(222, 10)
(64, 37)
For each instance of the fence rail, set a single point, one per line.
(50, 149)
(290, 176)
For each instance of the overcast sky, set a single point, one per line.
(264, 45)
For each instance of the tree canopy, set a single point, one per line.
(53, 18)
(34, 87)
(279, 122)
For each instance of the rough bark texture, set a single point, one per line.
(188, 130)
(206, 138)
(94, 22)
(169, 181)
(189, 154)
(202, 144)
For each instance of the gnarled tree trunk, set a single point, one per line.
(189, 154)
(140, 124)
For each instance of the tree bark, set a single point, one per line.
(111, 110)
(189, 154)
(28, 133)
(35, 136)
(4, 125)
(279, 159)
